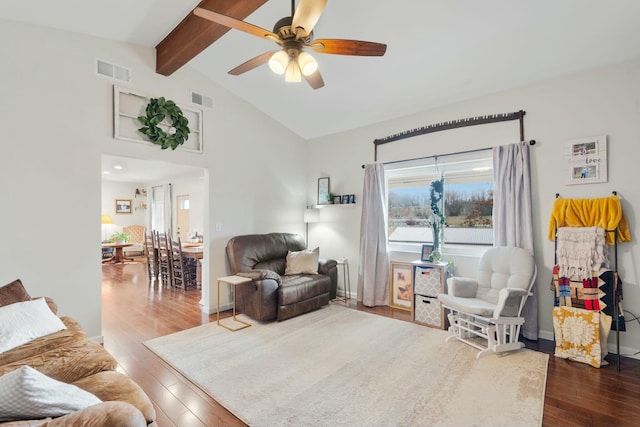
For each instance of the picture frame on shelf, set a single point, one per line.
(352, 198)
(401, 282)
(337, 199)
(426, 252)
(345, 199)
(123, 206)
(323, 191)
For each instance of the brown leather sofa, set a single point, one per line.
(272, 294)
(69, 356)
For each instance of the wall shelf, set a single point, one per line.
(338, 205)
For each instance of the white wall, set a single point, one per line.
(121, 190)
(603, 101)
(56, 117)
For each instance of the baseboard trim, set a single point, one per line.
(212, 310)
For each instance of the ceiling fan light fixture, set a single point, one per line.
(293, 73)
(308, 64)
(278, 62)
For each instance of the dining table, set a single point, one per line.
(118, 255)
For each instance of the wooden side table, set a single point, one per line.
(233, 281)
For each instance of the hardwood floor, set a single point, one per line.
(134, 311)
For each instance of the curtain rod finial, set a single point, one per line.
(532, 142)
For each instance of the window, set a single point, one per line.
(468, 199)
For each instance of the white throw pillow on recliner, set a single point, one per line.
(22, 322)
(29, 394)
(302, 262)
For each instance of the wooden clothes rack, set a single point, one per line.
(614, 295)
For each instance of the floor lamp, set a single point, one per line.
(310, 215)
(105, 220)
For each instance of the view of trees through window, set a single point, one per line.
(468, 210)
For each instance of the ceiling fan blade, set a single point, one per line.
(348, 47)
(234, 23)
(306, 17)
(257, 61)
(314, 80)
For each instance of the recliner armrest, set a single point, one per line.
(259, 274)
(324, 265)
(462, 287)
(509, 302)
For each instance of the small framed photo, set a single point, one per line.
(336, 200)
(426, 252)
(352, 198)
(345, 199)
(123, 206)
(323, 191)
(401, 282)
(586, 160)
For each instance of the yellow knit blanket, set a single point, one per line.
(605, 213)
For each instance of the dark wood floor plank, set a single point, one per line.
(135, 311)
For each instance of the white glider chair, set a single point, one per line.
(487, 309)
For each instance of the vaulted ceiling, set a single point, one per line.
(439, 52)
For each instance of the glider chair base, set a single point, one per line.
(486, 334)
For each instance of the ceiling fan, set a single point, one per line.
(294, 34)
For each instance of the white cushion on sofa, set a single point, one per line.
(302, 262)
(29, 394)
(22, 322)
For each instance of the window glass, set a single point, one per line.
(468, 199)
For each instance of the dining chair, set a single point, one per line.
(151, 254)
(163, 249)
(184, 273)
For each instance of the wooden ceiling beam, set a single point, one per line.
(195, 34)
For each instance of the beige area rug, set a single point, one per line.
(342, 367)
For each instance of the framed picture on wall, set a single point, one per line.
(123, 206)
(586, 160)
(323, 191)
(401, 282)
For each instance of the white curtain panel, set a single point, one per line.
(512, 213)
(373, 270)
(168, 209)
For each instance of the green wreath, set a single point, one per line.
(157, 110)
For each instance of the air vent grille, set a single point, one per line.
(113, 71)
(200, 99)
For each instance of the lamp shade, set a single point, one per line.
(308, 64)
(106, 219)
(278, 62)
(292, 74)
(311, 215)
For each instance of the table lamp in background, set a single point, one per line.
(105, 220)
(310, 215)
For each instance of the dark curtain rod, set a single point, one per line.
(531, 142)
(471, 121)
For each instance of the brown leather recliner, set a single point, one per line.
(271, 294)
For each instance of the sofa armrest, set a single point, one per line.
(462, 287)
(325, 265)
(259, 274)
(103, 414)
